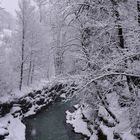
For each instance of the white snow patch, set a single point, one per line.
(128, 136)
(75, 119)
(88, 113)
(76, 106)
(93, 137)
(63, 95)
(3, 131)
(15, 127)
(15, 109)
(30, 112)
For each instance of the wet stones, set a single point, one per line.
(5, 108)
(25, 104)
(31, 94)
(40, 101)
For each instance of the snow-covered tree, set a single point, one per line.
(40, 5)
(25, 20)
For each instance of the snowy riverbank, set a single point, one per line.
(12, 113)
(102, 126)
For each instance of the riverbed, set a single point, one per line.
(50, 124)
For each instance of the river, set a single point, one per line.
(50, 124)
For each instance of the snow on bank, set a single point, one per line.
(14, 127)
(3, 130)
(75, 119)
(123, 128)
(107, 124)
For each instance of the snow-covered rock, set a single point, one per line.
(75, 119)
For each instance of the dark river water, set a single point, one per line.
(50, 124)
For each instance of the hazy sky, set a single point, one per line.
(10, 5)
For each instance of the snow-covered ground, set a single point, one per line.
(123, 128)
(13, 126)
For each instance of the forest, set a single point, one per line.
(70, 70)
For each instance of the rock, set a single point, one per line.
(117, 136)
(31, 94)
(101, 136)
(38, 92)
(40, 101)
(5, 108)
(25, 104)
(59, 87)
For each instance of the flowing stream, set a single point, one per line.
(50, 124)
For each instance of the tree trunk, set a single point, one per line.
(117, 22)
(29, 73)
(121, 42)
(138, 9)
(59, 55)
(40, 14)
(32, 72)
(22, 61)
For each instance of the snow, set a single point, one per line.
(63, 95)
(76, 106)
(7, 32)
(15, 109)
(16, 129)
(122, 114)
(88, 112)
(125, 134)
(14, 126)
(75, 119)
(107, 131)
(93, 137)
(123, 128)
(128, 136)
(30, 112)
(103, 113)
(3, 131)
